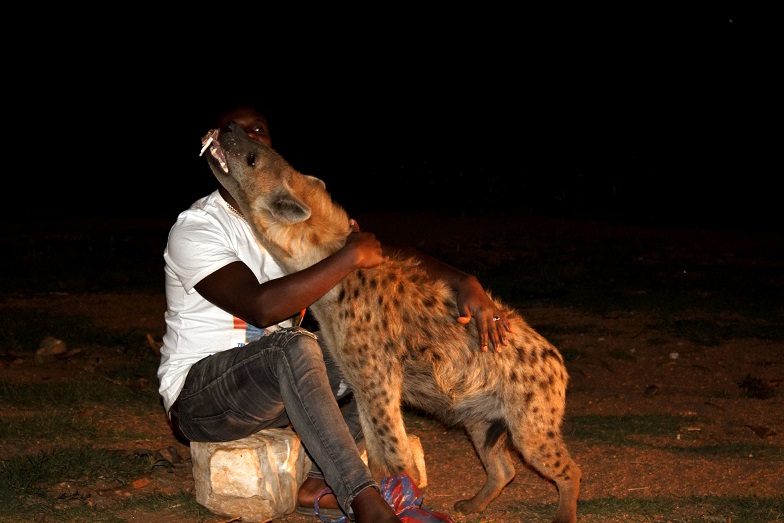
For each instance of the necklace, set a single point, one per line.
(235, 211)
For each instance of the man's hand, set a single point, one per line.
(473, 301)
(365, 248)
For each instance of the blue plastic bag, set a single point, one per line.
(406, 498)
(403, 496)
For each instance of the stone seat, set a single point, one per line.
(257, 477)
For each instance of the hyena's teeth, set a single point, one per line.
(217, 153)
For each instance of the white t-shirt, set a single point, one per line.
(205, 238)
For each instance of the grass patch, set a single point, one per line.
(78, 509)
(27, 481)
(63, 428)
(45, 427)
(31, 475)
(70, 412)
(733, 450)
(75, 393)
(183, 505)
(631, 430)
(619, 430)
(693, 509)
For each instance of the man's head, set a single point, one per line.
(251, 120)
(275, 199)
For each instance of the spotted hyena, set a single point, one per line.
(393, 330)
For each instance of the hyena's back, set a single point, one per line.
(405, 346)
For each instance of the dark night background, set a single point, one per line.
(650, 120)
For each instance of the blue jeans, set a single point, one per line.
(281, 378)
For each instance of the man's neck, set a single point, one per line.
(229, 198)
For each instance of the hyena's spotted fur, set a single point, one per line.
(394, 331)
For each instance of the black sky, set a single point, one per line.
(646, 120)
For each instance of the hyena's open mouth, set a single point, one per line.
(210, 141)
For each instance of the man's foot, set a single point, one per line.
(370, 507)
(310, 489)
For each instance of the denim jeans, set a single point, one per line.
(281, 378)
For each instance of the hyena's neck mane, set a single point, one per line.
(298, 245)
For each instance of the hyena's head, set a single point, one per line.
(292, 214)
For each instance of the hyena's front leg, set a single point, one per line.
(388, 447)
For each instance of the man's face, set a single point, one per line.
(251, 122)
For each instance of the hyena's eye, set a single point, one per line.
(251, 159)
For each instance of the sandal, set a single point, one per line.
(335, 515)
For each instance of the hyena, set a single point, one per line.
(394, 331)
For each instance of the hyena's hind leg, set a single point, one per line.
(544, 449)
(490, 441)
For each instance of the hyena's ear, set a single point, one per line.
(318, 181)
(287, 208)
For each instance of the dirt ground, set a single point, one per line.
(682, 324)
